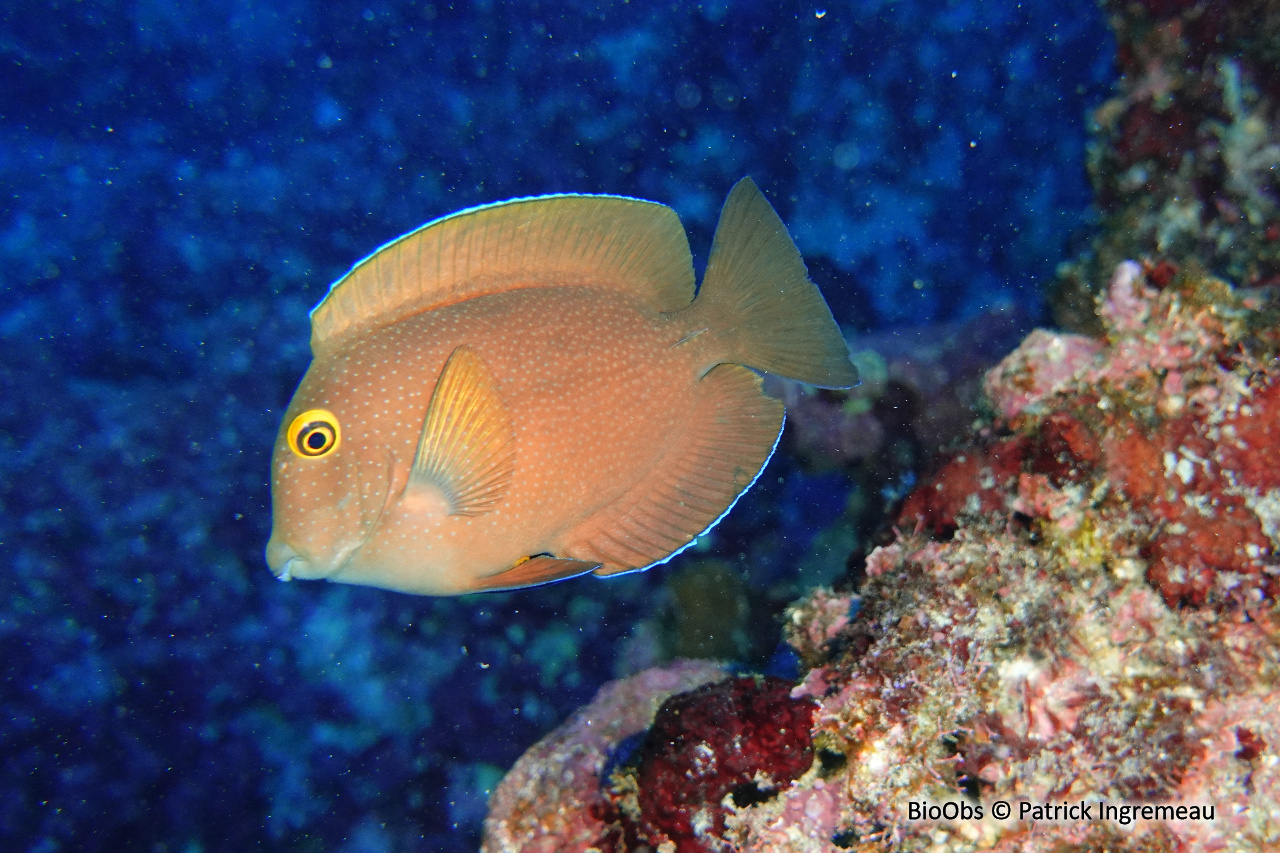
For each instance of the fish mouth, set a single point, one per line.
(285, 562)
(292, 566)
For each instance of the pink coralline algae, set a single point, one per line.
(828, 615)
(1081, 606)
(1179, 406)
(1044, 364)
(552, 799)
(1078, 608)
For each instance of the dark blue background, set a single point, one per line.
(182, 181)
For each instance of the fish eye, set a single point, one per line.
(314, 433)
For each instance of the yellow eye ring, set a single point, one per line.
(314, 433)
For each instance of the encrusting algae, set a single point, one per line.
(1032, 633)
(529, 391)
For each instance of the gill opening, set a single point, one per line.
(370, 525)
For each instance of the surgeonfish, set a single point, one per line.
(528, 391)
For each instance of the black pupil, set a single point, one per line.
(316, 439)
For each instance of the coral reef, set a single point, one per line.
(708, 752)
(1180, 410)
(1025, 638)
(742, 739)
(1078, 608)
(552, 800)
(1186, 156)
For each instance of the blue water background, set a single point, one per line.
(182, 181)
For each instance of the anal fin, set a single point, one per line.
(533, 572)
(730, 436)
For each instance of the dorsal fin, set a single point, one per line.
(613, 242)
(467, 446)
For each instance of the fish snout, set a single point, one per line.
(285, 562)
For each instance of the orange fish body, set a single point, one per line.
(528, 391)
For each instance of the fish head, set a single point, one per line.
(331, 477)
(346, 505)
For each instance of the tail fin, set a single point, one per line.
(756, 296)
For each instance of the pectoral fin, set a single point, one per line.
(467, 446)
